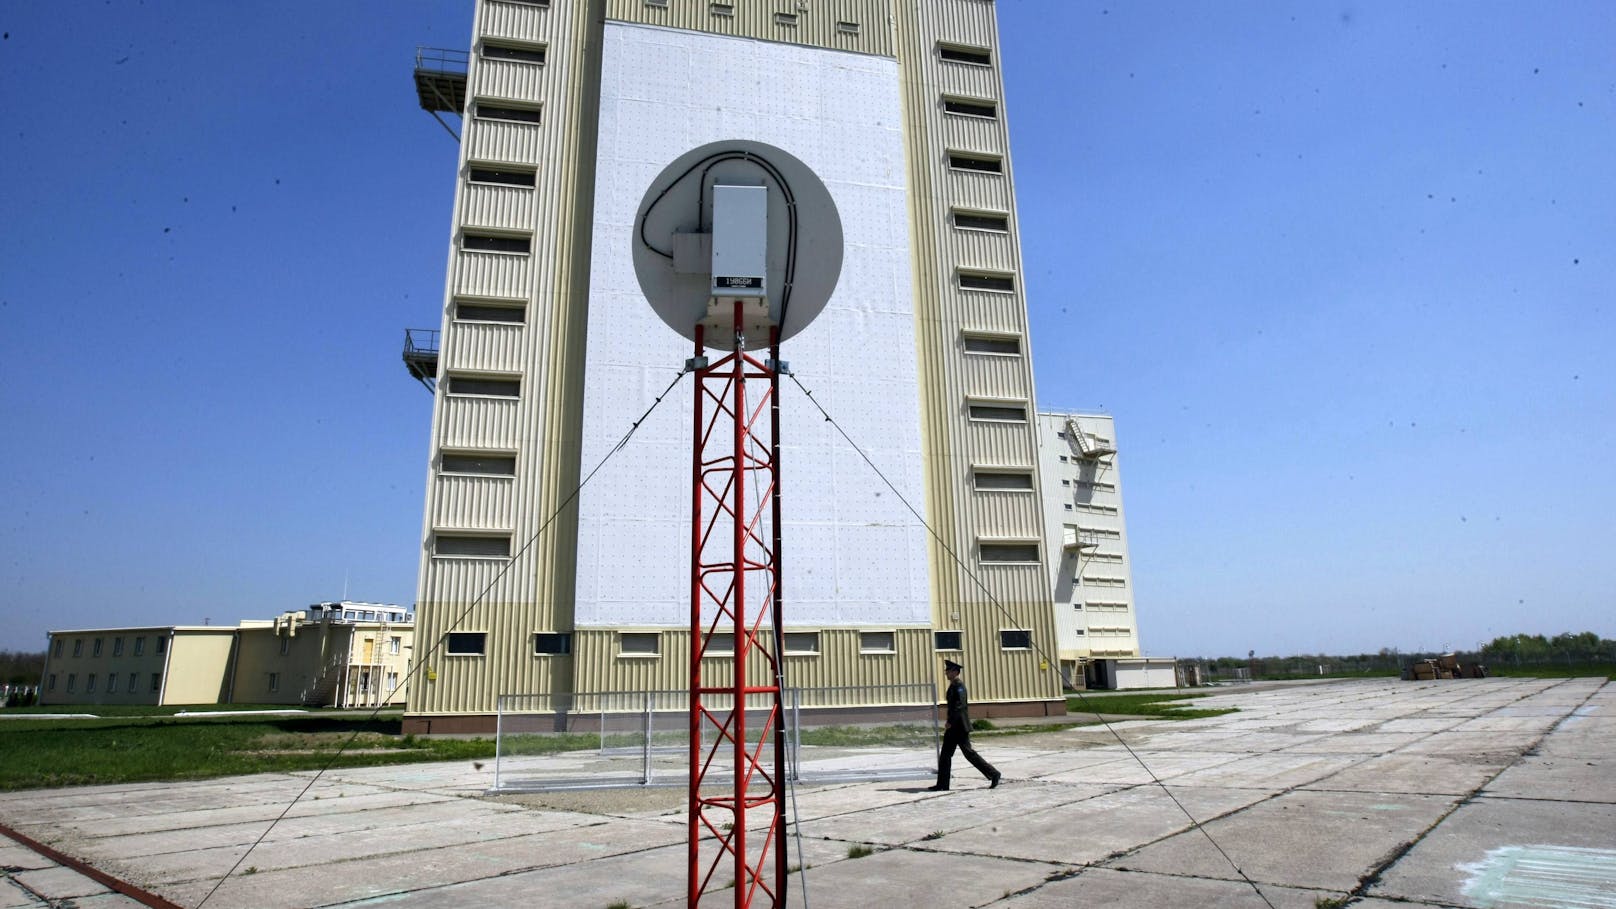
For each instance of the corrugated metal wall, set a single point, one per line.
(838, 663)
(814, 24)
(953, 377)
(534, 592)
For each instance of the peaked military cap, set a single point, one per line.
(951, 666)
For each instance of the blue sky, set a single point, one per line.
(1343, 274)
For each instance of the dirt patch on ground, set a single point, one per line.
(637, 801)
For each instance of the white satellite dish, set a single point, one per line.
(673, 245)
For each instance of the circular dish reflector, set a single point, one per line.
(804, 253)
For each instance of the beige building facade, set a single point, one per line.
(343, 654)
(548, 353)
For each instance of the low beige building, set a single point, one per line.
(342, 654)
(172, 664)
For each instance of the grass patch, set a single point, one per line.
(45, 753)
(1567, 671)
(1166, 705)
(859, 850)
(905, 736)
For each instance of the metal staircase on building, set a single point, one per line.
(440, 82)
(421, 355)
(1087, 450)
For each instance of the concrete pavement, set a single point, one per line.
(1470, 793)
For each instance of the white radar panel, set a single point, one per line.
(674, 252)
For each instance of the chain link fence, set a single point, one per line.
(642, 738)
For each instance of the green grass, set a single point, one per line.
(1165, 705)
(859, 850)
(45, 753)
(915, 735)
(1566, 671)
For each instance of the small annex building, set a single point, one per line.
(339, 654)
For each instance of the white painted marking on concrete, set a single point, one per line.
(1563, 877)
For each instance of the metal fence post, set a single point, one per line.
(645, 744)
(499, 735)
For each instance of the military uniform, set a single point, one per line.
(958, 734)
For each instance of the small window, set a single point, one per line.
(801, 641)
(162, 644)
(996, 480)
(477, 546)
(720, 643)
(117, 647)
(787, 20)
(494, 243)
(140, 646)
(466, 643)
(721, 9)
(1010, 552)
(982, 164)
(482, 312)
(999, 413)
(134, 679)
(948, 640)
(967, 107)
(490, 388)
(274, 681)
(843, 27)
(1015, 639)
(639, 643)
(51, 685)
(392, 681)
(286, 646)
(483, 111)
(973, 56)
(484, 465)
(878, 642)
(112, 683)
(503, 176)
(56, 649)
(78, 647)
(1068, 506)
(72, 681)
(551, 643)
(991, 223)
(89, 683)
(394, 645)
(157, 679)
(95, 650)
(976, 280)
(658, 4)
(996, 345)
(529, 54)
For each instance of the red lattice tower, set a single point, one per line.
(739, 819)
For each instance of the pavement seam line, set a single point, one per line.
(1396, 854)
(144, 897)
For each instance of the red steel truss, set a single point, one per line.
(737, 829)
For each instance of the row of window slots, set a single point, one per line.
(112, 682)
(795, 643)
(117, 647)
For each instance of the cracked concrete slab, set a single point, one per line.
(1279, 840)
(1442, 864)
(1311, 788)
(1108, 887)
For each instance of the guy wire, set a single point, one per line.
(422, 661)
(1065, 680)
